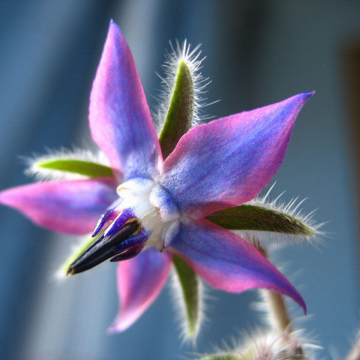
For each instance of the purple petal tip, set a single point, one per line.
(113, 26)
(295, 295)
(306, 95)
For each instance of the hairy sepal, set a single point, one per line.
(67, 164)
(181, 97)
(188, 284)
(180, 112)
(179, 118)
(259, 217)
(80, 167)
(252, 217)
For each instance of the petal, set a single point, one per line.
(120, 119)
(229, 161)
(228, 262)
(72, 207)
(140, 281)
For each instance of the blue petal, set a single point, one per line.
(140, 281)
(229, 161)
(69, 206)
(228, 262)
(120, 119)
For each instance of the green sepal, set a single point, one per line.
(80, 167)
(76, 254)
(261, 218)
(191, 294)
(181, 108)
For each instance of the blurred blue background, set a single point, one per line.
(257, 53)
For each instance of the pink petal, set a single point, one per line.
(140, 281)
(120, 119)
(72, 207)
(229, 161)
(228, 262)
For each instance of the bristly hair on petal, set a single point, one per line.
(192, 58)
(41, 173)
(308, 230)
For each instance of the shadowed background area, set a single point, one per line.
(257, 53)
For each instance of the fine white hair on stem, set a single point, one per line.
(43, 174)
(271, 314)
(311, 230)
(179, 305)
(192, 58)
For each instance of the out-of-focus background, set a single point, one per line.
(257, 53)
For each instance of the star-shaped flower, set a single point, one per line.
(165, 201)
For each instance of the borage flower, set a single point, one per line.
(169, 200)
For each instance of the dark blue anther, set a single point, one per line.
(119, 222)
(129, 254)
(104, 218)
(105, 248)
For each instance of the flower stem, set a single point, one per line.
(281, 321)
(280, 318)
(279, 312)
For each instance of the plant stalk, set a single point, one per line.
(280, 318)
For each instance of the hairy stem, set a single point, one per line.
(279, 312)
(280, 318)
(277, 306)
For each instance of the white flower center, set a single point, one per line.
(153, 207)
